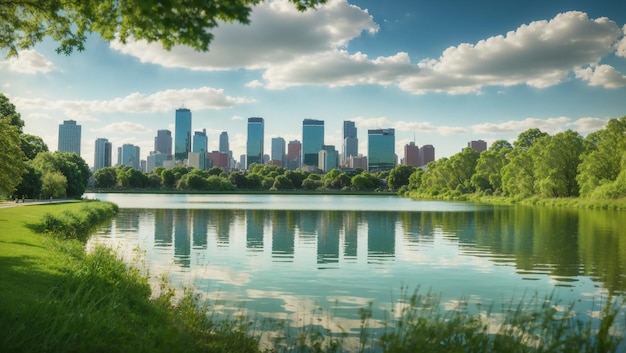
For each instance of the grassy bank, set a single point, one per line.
(571, 202)
(54, 297)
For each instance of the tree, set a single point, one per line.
(71, 165)
(281, 182)
(12, 164)
(558, 164)
(7, 110)
(399, 176)
(31, 145)
(23, 23)
(31, 183)
(168, 179)
(601, 160)
(53, 184)
(489, 166)
(105, 178)
(519, 176)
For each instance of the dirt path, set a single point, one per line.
(27, 202)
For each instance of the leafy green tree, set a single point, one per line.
(168, 179)
(601, 160)
(53, 184)
(415, 179)
(31, 183)
(137, 179)
(519, 175)
(489, 166)
(105, 178)
(557, 167)
(7, 109)
(365, 181)
(215, 171)
(296, 177)
(281, 182)
(193, 181)
(31, 145)
(462, 168)
(528, 138)
(12, 164)
(253, 181)
(76, 170)
(238, 179)
(23, 23)
(399, 176)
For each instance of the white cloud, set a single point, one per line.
(517, 126)
(621, 45)
(254, 84)
(263, 43)
(602, 75)
(163, 101)
(124, 127)
(28, 62)
(590, 124)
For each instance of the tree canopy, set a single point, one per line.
(23, 23)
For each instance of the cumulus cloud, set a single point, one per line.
(602, 75)
(517, 126)
(163, 101)
(590, 124)
(28, 62)
(124, 127)
(263, 43)
(621, 46)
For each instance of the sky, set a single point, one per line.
(438, 72)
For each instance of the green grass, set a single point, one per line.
(55, 297)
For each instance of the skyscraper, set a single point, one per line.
(312, 141)
(254, 145)
(200, 141)
(278, 151)
(163, 142)
(478, 146)
(350, 141)
(294, 153)
(182, 138)
(102, 154)
(328, 158)
(381, 153)
(224, 145)
(69, 137)
(427, 154)
(412, 155)
(129, 155)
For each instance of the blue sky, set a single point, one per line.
(440, 73)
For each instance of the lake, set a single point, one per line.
(319, 258)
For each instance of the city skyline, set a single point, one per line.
(439, 74)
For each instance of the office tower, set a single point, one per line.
(427, 154)
(182, 134)
(381, 153)
(129, 156)
(163, 142)
(328, 158)
(224, 145)
(254, 145)
(350, 141)
(200, 141)
(155, 159)
(294, 153)
(478, 146)
(69, 137)
(312, 141)
(102, 154)
(278, 151)
(218, 159)
(412, 155)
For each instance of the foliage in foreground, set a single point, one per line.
(79, 226)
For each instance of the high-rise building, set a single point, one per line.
(200, 141)
(254, 145)
(381, 153)
(312, 141)
(350, 141)
(427, 154)
(182, 134)
(478, 145)
(328, 158)
(155, 159)
(128, 155)
(224, 145)
(69, 137)
(102, 154)
(218, 159)
(412, 155)
(294, 153)
(163, 142)
(278, 151)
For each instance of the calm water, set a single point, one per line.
(286, 256)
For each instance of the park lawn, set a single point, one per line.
(29, 265)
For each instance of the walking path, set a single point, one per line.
(29, 202)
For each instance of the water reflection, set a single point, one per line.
(561, 243)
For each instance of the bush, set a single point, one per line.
(79, 225)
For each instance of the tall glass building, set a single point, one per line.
(163, 142)
(254, 145)
(102, 154)
(381, 154)
(312, 141)
(278, 151)
(128, 155)
(350, 141)
(182, 134)
(69, 137)
(200, 141)
(224, 145)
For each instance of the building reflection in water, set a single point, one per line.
(182, 244)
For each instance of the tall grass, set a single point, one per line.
(72, 225)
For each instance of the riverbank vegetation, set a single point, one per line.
(55, 296)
